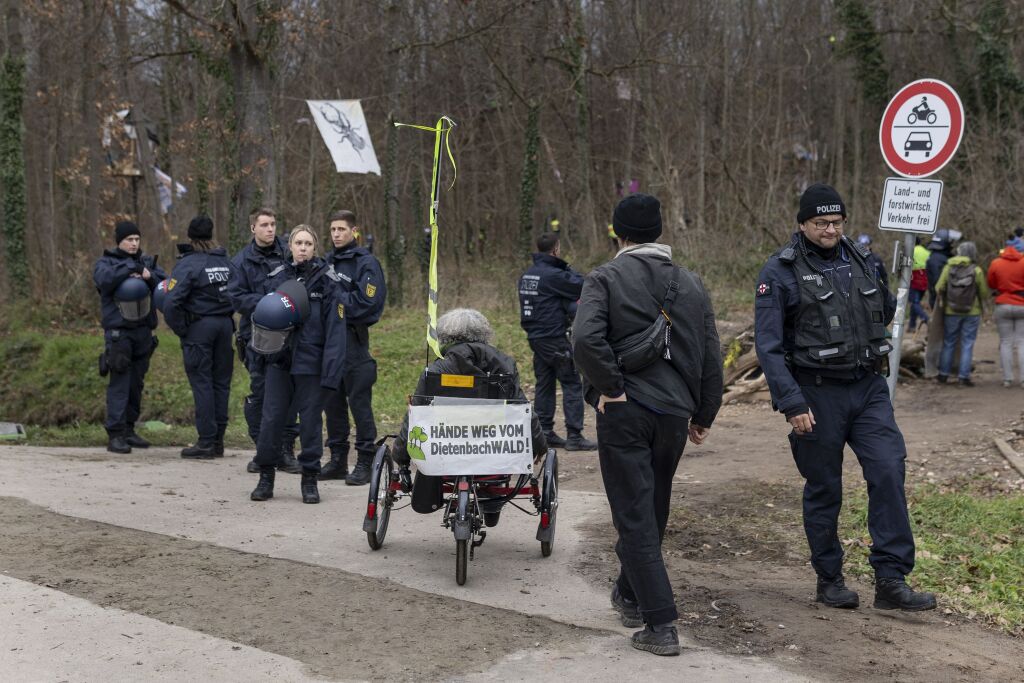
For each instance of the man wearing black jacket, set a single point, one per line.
(548, 292)
(644, 416)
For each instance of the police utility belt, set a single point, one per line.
(639, 350)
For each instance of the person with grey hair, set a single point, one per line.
(962, 291)
(465, 337)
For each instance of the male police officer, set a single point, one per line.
(128, 320)
(362, 284)
(820, 319)
(548, 292)
(646, 407)
(254, 266)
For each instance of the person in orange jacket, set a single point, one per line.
(1006, 280)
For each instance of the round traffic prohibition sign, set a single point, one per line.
(922, 128)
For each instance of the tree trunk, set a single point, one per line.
(12, 156)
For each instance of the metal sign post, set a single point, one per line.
(920, 131)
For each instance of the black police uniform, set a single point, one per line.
(363, 292)
(254, 267)
(548, 292)
(199, 311)
(820, 319)
(128, 344)
(298, 376)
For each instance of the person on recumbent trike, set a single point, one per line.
(465, 337)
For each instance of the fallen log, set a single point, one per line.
(1011, 456)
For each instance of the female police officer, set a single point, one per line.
(305, 356)
(199, 311)
(125, 280)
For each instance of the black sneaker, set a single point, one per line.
(577, 442)
(554, 440)
(834, 593)
(629, 610)
(941, 379)
(966, 382)
(896, 594)
(660, 640)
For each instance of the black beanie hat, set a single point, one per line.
(820, 200)
(637, 218)
(200, 228)
(125, 229)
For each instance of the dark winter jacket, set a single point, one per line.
(250, 282)
(362, 281)
(197, 288)
(113, 268)
(317, 347)
(548, 293)
(622, 298)
(474, 358)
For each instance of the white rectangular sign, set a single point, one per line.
(910, 205)
(471, 439)
(344, 130)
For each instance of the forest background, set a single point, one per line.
(725, 110)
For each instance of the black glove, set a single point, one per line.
(240, 348)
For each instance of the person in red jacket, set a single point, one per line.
(1006, 280)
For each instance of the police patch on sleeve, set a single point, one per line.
(341, 311)
(370, 290)
(171, 283)
(764, 289)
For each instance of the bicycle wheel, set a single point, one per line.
(381, 498)
(461, 561)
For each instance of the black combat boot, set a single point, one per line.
(203, 450)
(629, 610)
(133, 439)
(118, 444)
(577, 442)
(310, 493)
(337, 468)
(554, 440)
(834, 593)
(252, 467)
(896, 594)
(661, 639)
(218, 444)
(360, 474)
(288, 463)
(265, 488)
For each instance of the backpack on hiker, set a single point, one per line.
(961, 288)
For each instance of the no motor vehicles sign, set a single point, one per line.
(921, 128)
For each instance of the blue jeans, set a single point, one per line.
(964, 328)
(916, 309)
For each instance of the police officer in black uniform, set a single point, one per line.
(548, 292)
(199, 311)
(820, 330)
(125, 279)
(361, 281)
(262, 259)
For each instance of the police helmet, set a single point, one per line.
(159, 294)
(864, 239)
(277, 314)
(132, 298)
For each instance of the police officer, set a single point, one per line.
(361, 281)
(298, 374)
(199, 311)
(264, 257)
(125, 279)
(548, 292)
(820, 319)
(873, 260)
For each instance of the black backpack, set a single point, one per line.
(961, 288)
